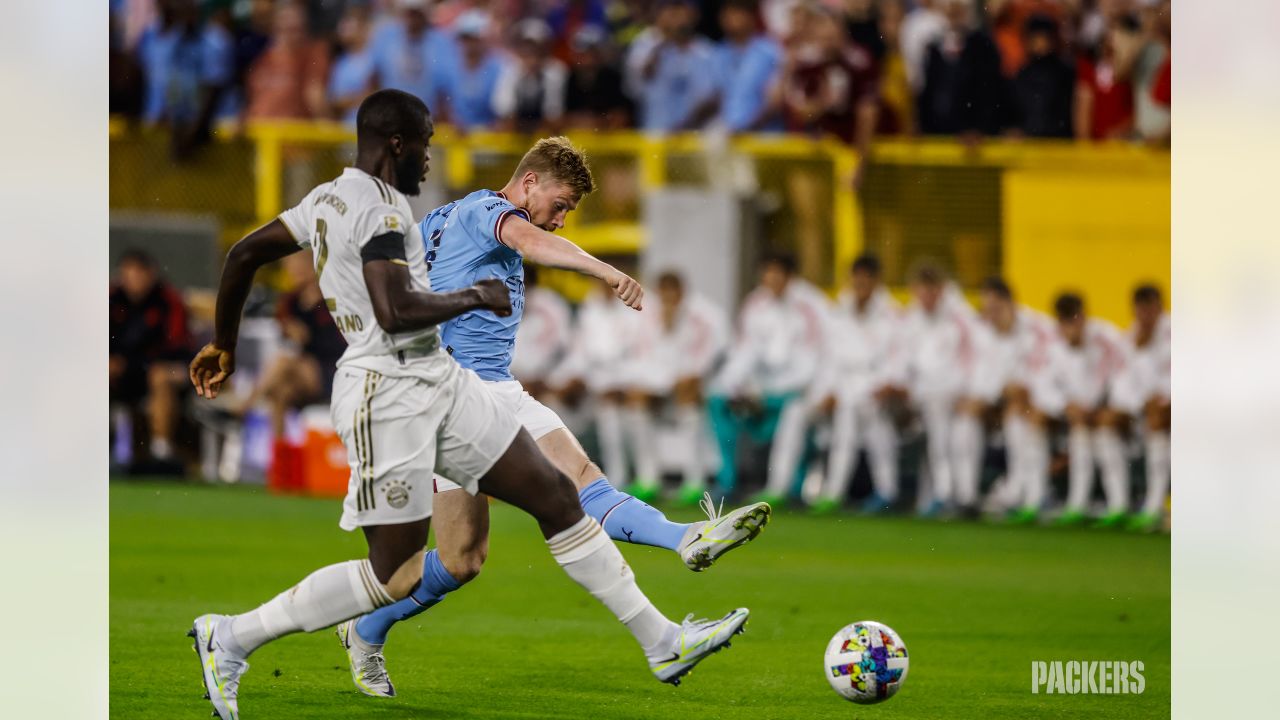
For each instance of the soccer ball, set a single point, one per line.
(866, 662)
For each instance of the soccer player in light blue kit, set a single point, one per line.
(489, 234)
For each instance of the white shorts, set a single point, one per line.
(535, 417)
(400, 430)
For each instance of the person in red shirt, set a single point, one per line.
(148, 348)
(1104, 94)
(288, 80)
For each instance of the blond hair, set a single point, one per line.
(557, 159)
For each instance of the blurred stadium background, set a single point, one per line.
(1019, 139)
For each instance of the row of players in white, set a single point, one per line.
(951, 362)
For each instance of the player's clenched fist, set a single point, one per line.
(495, 296)
(210, 368)
(628, 290)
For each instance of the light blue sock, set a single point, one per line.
(436, 583)
(627, 519)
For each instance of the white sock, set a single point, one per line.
(937, 427)
(589, 557)
(691, 426)
(788, 445)
(1157, 471)
(1015, 460)
(325, 597)
(1036, 477)
(161, 449)
(612, 451)
(1115, 469)
(882, 449)
(1080, 457)
(844, 452)
(639, 431)
(966, 457)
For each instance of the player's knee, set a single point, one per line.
(466, 566)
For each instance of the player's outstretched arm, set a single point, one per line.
(216, 361)
(399, 308)
(539, 246)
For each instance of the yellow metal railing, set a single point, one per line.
(1089, 216)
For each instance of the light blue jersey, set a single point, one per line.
(463, 248)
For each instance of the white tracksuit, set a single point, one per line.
(938, 356)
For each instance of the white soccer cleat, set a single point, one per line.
(698, 639)
(368, 668)
(221, 669)
(722, 533)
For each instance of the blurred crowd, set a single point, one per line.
(853, 69)
(943, 405)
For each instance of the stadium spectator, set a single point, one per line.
(149, 349)
(684, 337)
(126, 85)
(468, 92)
(543, 337)
(964, 91)
(566, 18)
(252, 37)
(828, 85)
(897, 97)
(1009, 20)
(747, 63)
(858, 365)
(668, 69)
(303, 373)
(1082, 364)
(771, 362)
(1151, 114)
(1044, 89)
(354, 74)
(937, 352)
(921, 27)
(594, 99)
(411, 54)
(1104, 92)
(530, 91)
(862, 25)
(288, 79)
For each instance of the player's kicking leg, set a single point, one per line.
(525, 478)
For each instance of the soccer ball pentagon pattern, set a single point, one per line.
(866, 662)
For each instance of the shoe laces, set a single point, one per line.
(374, 667)
(709, 507)
(231, 669)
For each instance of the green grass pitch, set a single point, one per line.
(975, 604)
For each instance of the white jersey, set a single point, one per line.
(779, 341)
(862, 352)
(937, 347)
(336, 220)
(1081, 375)
(543, 335)
(1009, 358)
(689, 347)
(1148, 369)
(604, 336)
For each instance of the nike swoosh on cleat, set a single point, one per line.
(210, 646)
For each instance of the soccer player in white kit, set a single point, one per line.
(404, 409)
(1083, 363)
(1010, 345)
(1142, 390)
(684, 335)
(865, 367)
(773, 360)
(937, 341)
